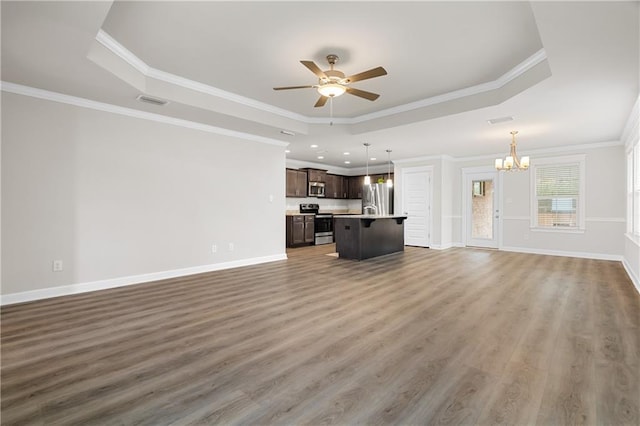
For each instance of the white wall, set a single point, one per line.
(604, 215)
(116, 197)
(605, 204)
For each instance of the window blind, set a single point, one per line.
(557, 195)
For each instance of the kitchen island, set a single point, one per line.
(362, 236)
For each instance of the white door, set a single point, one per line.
(416, 205)
(481, 196)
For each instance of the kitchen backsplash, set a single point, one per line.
(326, 204)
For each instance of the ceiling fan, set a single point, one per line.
(332, 82)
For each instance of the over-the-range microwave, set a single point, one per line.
(316, 189)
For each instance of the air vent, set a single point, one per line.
(500, 120)
(150, 100)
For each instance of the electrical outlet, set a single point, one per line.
(214, 248)
(57, 265)
(230, 246)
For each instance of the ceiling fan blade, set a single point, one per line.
(292, 87)
(362, 93)
(321, 101)
(374, 72)
(314, 69)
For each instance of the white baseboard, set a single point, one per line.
(584, 255)
(45, 293)
(445, 246)
(632, 276)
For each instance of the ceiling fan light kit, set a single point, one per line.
(331, 89)
(333, 83)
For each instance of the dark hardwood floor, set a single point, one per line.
(460, 336)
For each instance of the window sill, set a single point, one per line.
(559, 230)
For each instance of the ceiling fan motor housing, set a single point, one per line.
(334, 76)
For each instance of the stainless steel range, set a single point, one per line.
(323, 223)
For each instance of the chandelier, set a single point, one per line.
(511, 162)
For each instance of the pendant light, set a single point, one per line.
(367, 178)
(511, 162)
(389, 181)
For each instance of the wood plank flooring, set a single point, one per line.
(461, 336)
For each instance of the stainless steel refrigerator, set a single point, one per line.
(377, 199)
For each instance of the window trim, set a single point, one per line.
(579, 159)
(633, 192)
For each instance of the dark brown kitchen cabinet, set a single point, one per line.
(316, 175)
(380, 178)
(296, 183)
(355, 187)
(355, 183)
(335, 186)
(300, 230)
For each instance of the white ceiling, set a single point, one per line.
(566, 71)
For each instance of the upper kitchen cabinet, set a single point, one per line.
(336, 186)
(316, 175)
(354, 185)
(296, 183)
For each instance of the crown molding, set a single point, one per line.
(542, 151)
(501, 81)
(121, 51)
(130, 112)
(129, 57)
(355, 171)
(425, 158)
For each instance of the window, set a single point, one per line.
(636, 190)
(633, 191)
(558, 193)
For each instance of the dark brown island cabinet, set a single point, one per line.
(300, 230)
(360, 237)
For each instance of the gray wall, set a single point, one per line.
(114, 196)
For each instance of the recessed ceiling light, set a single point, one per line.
(347, 162)
(287, 151)
(346, 153)
(500, 120)
(373, 158)
(320, 157)
(314, 146)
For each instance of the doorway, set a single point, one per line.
(481, 209)
(416, 205)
